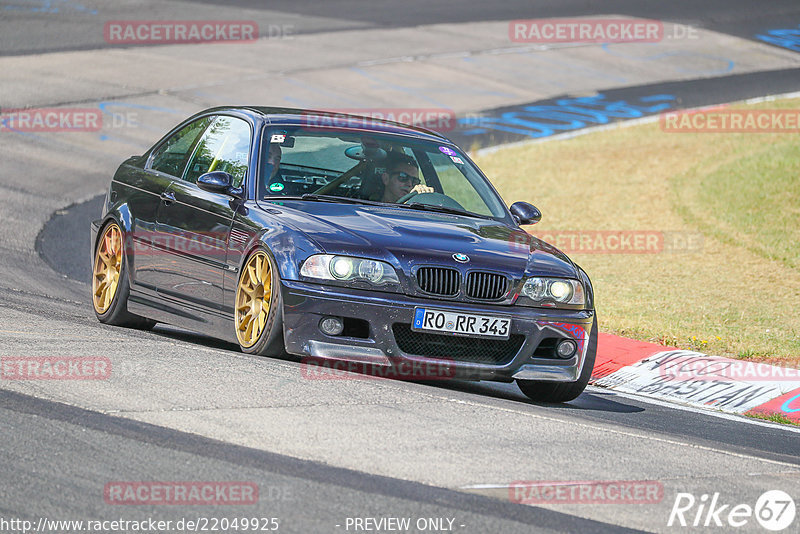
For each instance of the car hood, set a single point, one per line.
(406, 237)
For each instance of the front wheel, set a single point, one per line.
(258, 317)
(110, 285)
(563, 391)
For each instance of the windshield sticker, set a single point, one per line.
(277, 138)
(448, 151)
(456, 159)
(276, 187)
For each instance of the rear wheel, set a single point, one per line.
(563, 391)
(110, 286)
(258, 317)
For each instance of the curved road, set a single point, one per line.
(179, 406)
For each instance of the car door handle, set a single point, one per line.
(167, 197)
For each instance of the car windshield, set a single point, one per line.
(374, 168)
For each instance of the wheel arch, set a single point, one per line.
(288, 249)
(255, 245)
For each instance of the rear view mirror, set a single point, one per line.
(525, 213)
(216, 182)
(219, 182)
(365, 153)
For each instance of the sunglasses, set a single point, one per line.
(406, 178)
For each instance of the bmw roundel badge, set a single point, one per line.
(460, 258)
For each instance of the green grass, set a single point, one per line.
(774, 417)
(737, 293)
(753, 202)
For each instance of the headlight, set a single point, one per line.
(347, 269)
(553, 291)
(342, 267)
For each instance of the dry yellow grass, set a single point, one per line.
(738, 294)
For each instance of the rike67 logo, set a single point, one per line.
(774, 510)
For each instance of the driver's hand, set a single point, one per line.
(419, 189)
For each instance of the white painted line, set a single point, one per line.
(694, 409)
(613, 430)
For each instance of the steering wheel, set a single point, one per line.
(405, 198)
(431, 199)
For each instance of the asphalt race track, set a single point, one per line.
(181, 406)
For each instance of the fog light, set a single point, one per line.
(566, 349)
(331, 326)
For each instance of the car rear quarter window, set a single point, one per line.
(225, 146)
(170, 158)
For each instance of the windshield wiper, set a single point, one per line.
(323, 198)
(352, 200)
(441, 209)
(343, 200)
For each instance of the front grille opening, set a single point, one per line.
(486, 286)
(358, 328)
(439, 281)
(458, 348)
(546, 348)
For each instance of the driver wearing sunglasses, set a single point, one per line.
(401, 178)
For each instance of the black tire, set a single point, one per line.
(117, 313)
(541, 391)
(270, 341)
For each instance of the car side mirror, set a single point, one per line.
(219, 182)
(525, 213)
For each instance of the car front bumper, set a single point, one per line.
(305, 304)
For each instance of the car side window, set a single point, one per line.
(170, 158)
(225, 146)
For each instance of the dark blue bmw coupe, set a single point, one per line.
(340, 238)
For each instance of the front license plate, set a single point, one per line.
(465, 324)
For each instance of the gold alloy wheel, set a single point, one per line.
(107, 267)
(253, 298)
